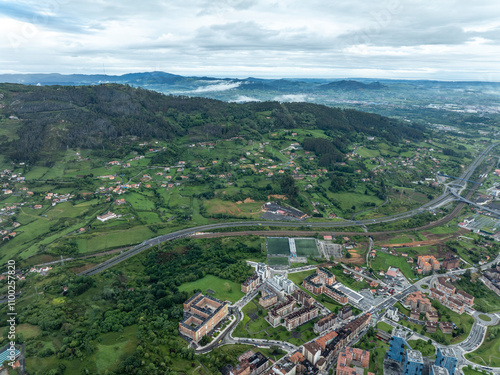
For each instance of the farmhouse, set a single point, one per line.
(107, 216)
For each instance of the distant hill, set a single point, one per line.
(87, 79)
(351, 86)
(111, 118)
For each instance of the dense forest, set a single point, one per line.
(149, 300)
(108, 117)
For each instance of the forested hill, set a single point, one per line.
(112, 117)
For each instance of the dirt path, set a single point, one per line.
(417, 243)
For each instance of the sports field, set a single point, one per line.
(306, 247)
(278, 245)
(277, 261)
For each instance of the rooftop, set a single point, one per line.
(439, 370)
(414, 356)
(447, 352)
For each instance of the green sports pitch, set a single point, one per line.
(306, 247)
(278, 245)
(277, 261)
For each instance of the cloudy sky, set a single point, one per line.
(439, 39)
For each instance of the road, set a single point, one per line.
(443, 199)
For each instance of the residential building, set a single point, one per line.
(436, 370)
(444, 286)
(315, 282)
(451, 261)
(325, 323)
(267, 298)
(431, 327)
(352, 355)
(464, 297)
(254, 365)
(201, 315)
(414, 314)
(455, 305)
(300, 317)
(446, 358)
(432, 316)
(396, 348)
(321, 282)
(263, 271)
(413, 363)
(303, 298)
(345, 312)
(278, 312)
(327, 338)
(418, 302)
(446, 327)
(250, 284)
(284, 367)
(437, 294)
(312, 352)
(335, 294)
(428, 263)
(282, 281)
(296, 357)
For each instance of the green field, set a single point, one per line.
(277, 261)
(384, 327)
(470, 371)
(488, 354)
(278, 246)
(382, 262)
(28, 331)
(224, 289)
(297, 277)
(306, 247)
(427, 350)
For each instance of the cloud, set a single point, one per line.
(218, 87)
(291, 98)
(244, 99)
(236, 38)
(43, 17)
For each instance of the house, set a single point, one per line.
(107, 216)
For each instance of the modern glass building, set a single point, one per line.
(446, 358)
(413, 363)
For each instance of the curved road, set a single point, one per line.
(443, 199)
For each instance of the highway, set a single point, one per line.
(442, 200)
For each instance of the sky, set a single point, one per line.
(399, 39)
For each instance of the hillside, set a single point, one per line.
(108, 117)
